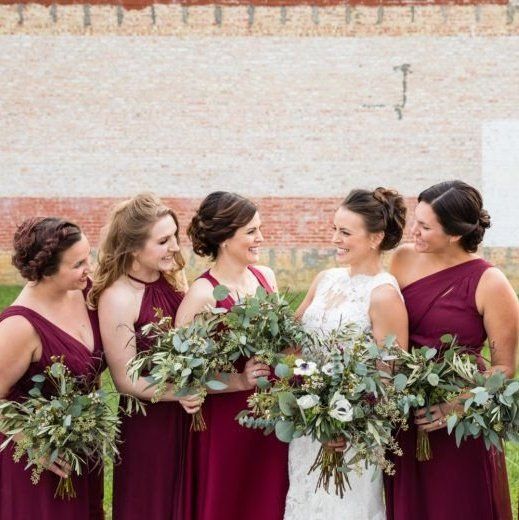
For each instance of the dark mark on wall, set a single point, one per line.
(185, 14)
(315, 15)
(477, 13)
(20, 8)
(153, 15)
(218, 15)
(412, 14)
(87, 21)
(380, 15)
(348, 14)
(250, 14)
(283, 15)
(54, 13)
(120, 15)
(406, 70)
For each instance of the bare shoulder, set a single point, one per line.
(120, 299)
(18, 332)
(402, 254)
(494, 282)
(385, 295)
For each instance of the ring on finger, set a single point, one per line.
(440, 421)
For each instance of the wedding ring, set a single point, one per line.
(255, 374)
(440, 421)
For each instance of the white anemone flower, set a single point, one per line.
(308, 401)
(341, 408)
(305, 368)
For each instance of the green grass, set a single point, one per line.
(9, 293)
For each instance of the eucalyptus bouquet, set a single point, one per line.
(185, 359)
(491, 405)
(490, 401)
(426, 379)
(335, 391)
(76, 423)
(260, 326)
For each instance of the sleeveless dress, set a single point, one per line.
(339, 299)
(146, 481)
(457, 483)
(19, 497)
(233, 473)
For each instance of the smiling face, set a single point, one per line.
(74, 266)
(243, 246)
(351, 238)
(428, 233)
(157, 254)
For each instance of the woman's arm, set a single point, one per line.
(118, 310)
(20, 345)
(497, 303)
(388, 315)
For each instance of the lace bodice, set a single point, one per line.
(340, 298)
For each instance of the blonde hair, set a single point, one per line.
(126, 232)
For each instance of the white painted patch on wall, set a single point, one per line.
(500, 181)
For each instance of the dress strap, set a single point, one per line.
(261, 278)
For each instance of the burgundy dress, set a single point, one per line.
(19, 497)
(147, 479)
(233, 473)
(457, 483)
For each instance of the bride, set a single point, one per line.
(366, 223)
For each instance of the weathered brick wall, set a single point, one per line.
(291, 103)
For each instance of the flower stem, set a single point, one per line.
(65, 489)
(330, 463)
(423, 446)
(198, 422)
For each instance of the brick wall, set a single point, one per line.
(292, 103)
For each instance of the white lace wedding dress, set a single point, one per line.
(339, 299)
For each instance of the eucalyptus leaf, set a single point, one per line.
(285, 430)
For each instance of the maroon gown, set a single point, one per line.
(19, 498)
(147, 479)
(468, 482)
(233, 473)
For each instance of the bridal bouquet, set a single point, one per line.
(185, 359)
(262, 326)
(490, 401)
(336, 390)
(76, 423)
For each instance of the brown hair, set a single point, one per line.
(126, 232)
(459, 209)
(217, 219)
(39, 243)
(383, 210)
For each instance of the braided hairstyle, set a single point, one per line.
(382, 210)
(459, 209)
(39, 243)
(220, 214)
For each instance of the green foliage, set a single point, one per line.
(65, 417)
(337, 389)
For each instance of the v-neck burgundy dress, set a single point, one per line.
(233, 473)
(147, 480)
(457, 483)
(20, 499)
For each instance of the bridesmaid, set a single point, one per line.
(141, 269)
(231, 472)
(449, 289)
(48, 318)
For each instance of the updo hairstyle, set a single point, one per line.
(220, 214)
(459, 209)
(382, 210)
(39, 243)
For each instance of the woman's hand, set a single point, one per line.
(435, 417)
(252, 372)
(338, 444)
(191, 403)
(58, 467)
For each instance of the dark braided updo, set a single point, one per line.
(39, 243)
